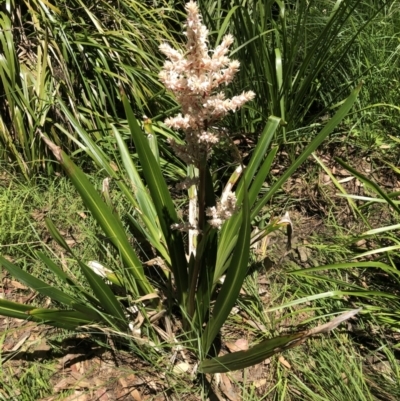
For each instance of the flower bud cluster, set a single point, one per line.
(223, 211)
(193, 76)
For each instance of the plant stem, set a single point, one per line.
(201, 195)
(192, 192)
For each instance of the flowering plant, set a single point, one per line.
(204, 274)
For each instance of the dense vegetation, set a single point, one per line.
(79, 76)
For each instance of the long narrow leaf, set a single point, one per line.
(233, 281)
(256, 354)
(61, 318)
(105, 295)
(370, 184)
(36, 284)
(243, 359)
(229, 232)
(147, 212)
(162, 201)
(43, 288)
(14, 309)
(56, 235)
(261, 176)
(259, 152)
(330, 126)
(350, 265)
(66, 279)
(104, 216)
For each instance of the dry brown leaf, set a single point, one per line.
(257, 371)
(239, 345)
(121, 394)
(136, 395)
(122, 382)
(242, 344)
(76, 375)
(259, 383)
(76, 367)
(101, 395)
(19, 344)
(325, 328)
(21, 341)
(63, 384)
(326, 178)
(152, 385)
(232, 347)
(42, 346)
(227, 388)
(67, 358)
(80, 381)
(284, 362)
(133, 380)
(17, 285)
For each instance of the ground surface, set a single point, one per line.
(46, 364)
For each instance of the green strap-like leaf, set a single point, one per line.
(14, 309)
(229, 232)
(162, 201)
(233, 282)
(261, 176)
(105, 295)
(43, 288)
(111, 225)
(207, 252)
(67, 319)
(226, 244)
(243, 359)
(260, 151)
(349, 265)
(36, 284)
(330, 126)
(147, 212)
(67, 280)
(56, 235)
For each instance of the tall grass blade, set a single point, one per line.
(370, 184)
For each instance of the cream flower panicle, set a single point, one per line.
(194, 75)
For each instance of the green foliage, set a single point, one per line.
(103, 308)
(192, 283)
(32, 382)
(76, 54)
(300, 58)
